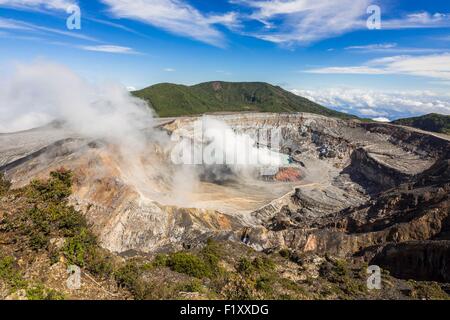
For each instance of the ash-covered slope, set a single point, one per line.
(361, 189)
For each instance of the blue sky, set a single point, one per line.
(321, 49)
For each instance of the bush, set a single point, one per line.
(79, 248)
(57, 188)
(5, 185)
(189, 264)
(205, 264)
(285, 253)
(265, 283)
(192, 286)
(39, 292)
(245, 266)
(211, 254)
(10, 273)
(130, 277)
(264, 264)
(427, 290)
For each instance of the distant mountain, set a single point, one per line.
(430, 122)
(171, 100)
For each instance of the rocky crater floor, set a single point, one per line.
(369, 193)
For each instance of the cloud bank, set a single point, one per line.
(432, 66)
(380, 105)
(175, 16)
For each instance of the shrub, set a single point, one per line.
(211, 254)
(259, 264)
(245, 266)
(192, 286)
(427, 290)
(57, 188)
(189, 264)
(5, 185)
(80, 247)
(160, 260)
(39, 292)
(341, 268)
(205, 264)
(285, 253)
(10, 273)
(129, 276)
(99, 262)
(265, 283)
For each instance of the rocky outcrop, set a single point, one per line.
(421, 260)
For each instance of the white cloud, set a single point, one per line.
(434, 66)
(175, 16)
(38, 4)
(391, 48)
(419, 20)
(281, 21)
(306, 21)
(109, 49)
(18, 25)
(347, 70)
(376, 46)
(13, 25)
(386, 104)
(169, 70)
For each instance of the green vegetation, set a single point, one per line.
(427, 290)
(258, 278)
(261, 265)
(48, 216)
(189, 264)
(4, 185)
(37, 220)
(342, 281)
(40, 292)
(430, 122)
(203, 265)
(10, 274)
(171, 100)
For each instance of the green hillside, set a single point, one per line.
(430, 122)
(171, 100)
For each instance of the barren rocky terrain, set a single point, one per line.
(363, 192)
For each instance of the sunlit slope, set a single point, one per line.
(171, 100)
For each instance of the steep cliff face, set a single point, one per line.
(422, 260)
(358, 187)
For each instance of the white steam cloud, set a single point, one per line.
(212, 142)
(37, 93)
